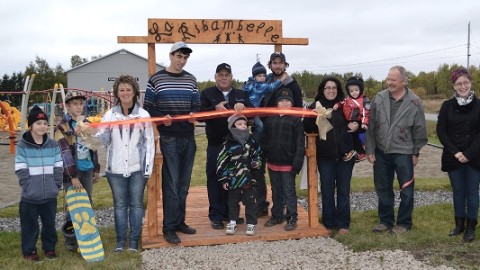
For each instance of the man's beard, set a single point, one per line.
(278, 73)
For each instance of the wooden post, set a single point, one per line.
(154, 187)
(312, 183)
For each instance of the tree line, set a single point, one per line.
(433, 84)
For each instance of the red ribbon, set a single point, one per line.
(200, 116)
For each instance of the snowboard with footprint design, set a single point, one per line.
(85, 225)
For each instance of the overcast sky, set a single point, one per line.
(358, 36)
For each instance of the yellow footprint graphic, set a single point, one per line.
(84, 223)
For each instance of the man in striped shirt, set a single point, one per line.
(173, 91)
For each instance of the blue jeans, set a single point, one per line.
(217, 196)
(127, 204)
(335, 174)
(29, 214)
(178, 156)
(465, 182)
(283, 195)
(384, 169)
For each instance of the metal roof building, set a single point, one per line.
(100, 73)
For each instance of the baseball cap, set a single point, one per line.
(74, 95)
(180, 45)
(224, 66)
(278, 54)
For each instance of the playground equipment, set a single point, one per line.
(13, 112)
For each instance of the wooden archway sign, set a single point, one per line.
(217, 31)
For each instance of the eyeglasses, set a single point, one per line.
(459, 84)
(330, 88)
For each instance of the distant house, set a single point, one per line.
(101, 73)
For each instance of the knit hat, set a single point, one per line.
(36, 114)
(278, 54)
(355, 81)
(234, 118)
(461, 71)
(74, 95)
(258, 69)
(284, 93)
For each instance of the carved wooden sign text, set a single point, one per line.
(215, 31)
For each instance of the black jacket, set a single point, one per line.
(458, 129)
(283, 141)
(217, 129)
(338, 140)
(270, 99)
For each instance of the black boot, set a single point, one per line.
(470, 230)
(459, 226)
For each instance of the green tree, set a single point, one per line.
(45, 77)
(12, 84)
(76, 60)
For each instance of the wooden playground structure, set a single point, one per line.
(219, 31)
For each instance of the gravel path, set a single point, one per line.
(309, 253)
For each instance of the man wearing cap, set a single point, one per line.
(220, 97)
(278, 65)
(174, 91)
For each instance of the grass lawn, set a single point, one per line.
(428, 240)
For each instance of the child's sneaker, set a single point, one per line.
(50, 255)
(250, 229)
(349, 155)
(231, 228)
(361, 157)
(32, 257)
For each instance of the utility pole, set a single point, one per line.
(468, 48)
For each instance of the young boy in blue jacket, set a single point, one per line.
(39, 167)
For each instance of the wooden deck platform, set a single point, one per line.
(197, 213)
(197, 217)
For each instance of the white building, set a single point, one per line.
(101, 73)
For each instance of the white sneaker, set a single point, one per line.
(250, 229)
(231, 228)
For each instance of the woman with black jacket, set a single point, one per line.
(458, 129)
(335, 172)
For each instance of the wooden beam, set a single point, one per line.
(295, 41)
(133, 39)
(312, 183)
(152, 59)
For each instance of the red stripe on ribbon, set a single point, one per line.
(407, 184)
(200, 116)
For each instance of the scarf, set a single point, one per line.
(240, 135)
(464, 101)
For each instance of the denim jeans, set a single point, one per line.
(283, 194)
(29, 214)
(127, 204)
(217, 196)
(335, 174)
(384, 169)
(465, 182)
(178, 157)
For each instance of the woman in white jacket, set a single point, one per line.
(130, 154)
